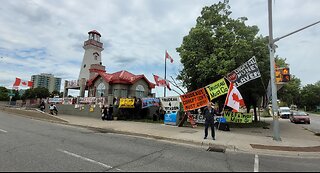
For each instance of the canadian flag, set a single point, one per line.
(169, 57)
(161, 82)
(234, 98)
(20, 82)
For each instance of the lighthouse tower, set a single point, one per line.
(92, 55)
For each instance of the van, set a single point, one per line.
(284, 112)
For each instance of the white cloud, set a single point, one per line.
(42, 36)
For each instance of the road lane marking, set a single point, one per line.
(87, 159)
(3, 131)
(256, 163)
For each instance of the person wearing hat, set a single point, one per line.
(209, 113)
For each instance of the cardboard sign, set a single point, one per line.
(194, 100)
(238, 117)
(171, 104)
(126, 103)
(148, 102)
(217, 89)
(245, 73)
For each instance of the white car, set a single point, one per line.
(284, 112)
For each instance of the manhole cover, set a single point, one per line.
(189, 131)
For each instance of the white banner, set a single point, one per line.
(170, 103)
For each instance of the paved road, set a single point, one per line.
(31, 145)
(314, 123)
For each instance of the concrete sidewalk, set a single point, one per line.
(295, 140)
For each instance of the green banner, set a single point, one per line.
(217, 89)
(238, 117)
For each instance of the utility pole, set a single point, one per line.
(272, 49)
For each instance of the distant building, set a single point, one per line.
(94, 78)
(47, 81)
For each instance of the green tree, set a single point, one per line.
(290, 92)
(310, 96)
(219, 44)
(32, 93)
(55, 93)
(4, 94)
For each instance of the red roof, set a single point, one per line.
(95, 32)
(121, 77)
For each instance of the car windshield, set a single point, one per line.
(285, 110)
(299, 114)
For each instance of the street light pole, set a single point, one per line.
(276, 134)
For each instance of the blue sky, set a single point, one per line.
(43, 36)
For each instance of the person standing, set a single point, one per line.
(42, 106)
(110, 112)
(209, 114)
(106, 113)
(102, 112)
(55, 109)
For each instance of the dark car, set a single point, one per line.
(300, 117)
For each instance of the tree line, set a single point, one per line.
(31, 93)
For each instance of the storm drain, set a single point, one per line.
(218, 149)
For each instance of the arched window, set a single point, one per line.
(101, 90)
(140, 91)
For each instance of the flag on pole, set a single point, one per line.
(234, 98)
(20, 82)
(161, 82)
(169, 57)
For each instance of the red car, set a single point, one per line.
(300, 117)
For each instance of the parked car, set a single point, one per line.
(300, 117)
(284, 112)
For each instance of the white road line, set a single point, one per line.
(87, 159)
(256, 163)
(3, 131)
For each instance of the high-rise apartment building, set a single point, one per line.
(47, 81)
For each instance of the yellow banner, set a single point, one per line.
(126, 103)
(217, 89)
(238, 117)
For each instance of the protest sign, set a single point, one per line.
(148, 102)
(194, 100)
(126, 103)
(87, 100)
(170, 103)
(217, 89)
(245, 73)
(238, 117)
(55, 100)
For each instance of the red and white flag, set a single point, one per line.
(161, 82)
(169, 57)
(20, 82)
(234, 98)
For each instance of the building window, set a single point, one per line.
(140, 91)
(120, 93)
(101, 90)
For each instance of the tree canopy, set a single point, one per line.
(219, 44)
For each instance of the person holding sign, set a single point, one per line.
(209, 113)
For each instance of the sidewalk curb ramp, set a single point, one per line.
(34, 114)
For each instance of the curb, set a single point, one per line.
(210, 146)
(34, 115)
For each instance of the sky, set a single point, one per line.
(46, 36)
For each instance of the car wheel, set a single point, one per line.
(308, 122)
